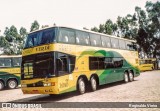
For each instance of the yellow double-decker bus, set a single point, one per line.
(61, 59)
(10, 71)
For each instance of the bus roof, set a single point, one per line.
(84, 31)
(8, 56)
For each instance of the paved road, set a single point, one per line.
(145, 88)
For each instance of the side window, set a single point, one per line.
(130, 46)
(16, 61)
(118, 62)
(106, 42)
(114, 43)
(7, 62)
(95, 40)
(65, 63)
(82, 38)
(1, 62)
(122, 44)
(71, 62)
(66, 36)
(96, 63)
(108, 62)
(62, 63)
(93, 63)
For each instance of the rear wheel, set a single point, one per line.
(126, 78)
(131, 77)
(81, 86)
(12, 84)
(93, 83)
(1, 85)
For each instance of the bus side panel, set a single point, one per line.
(10, 73)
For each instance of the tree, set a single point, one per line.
(95, 29)
(101, 28)
(109, 27)
(153, 10)
(23, 33)
(34, 26)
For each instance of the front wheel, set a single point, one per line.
(93, 83)
(1, 85)
(12, 84)
(126, 78)
(81, 86)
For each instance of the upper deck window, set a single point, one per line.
(122, 44)
(95, 40)
(131, 46)
(106, 42)
(66, 36)
(41, 37)
(114, 43)
(82, 38)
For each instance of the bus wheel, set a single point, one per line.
(1, 85)
(126, 78)
(81, 86)
(12, 84)
(93, 83)
(131, 77)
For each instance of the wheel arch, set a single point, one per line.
(85, 79)
(13, 79)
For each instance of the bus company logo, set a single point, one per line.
(43, 48)
(6, 105)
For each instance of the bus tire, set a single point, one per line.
(93, 83)
(81, 85)
(126, 77)
(1, 85)
(131, 76)
(12, 84)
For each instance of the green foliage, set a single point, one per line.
(34, 26)
(12, 42)
(95, 29)
(142, 26)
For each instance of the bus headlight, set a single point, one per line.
(47, 84)
(23, 85)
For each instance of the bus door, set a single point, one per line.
(65, 66)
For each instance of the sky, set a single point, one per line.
(73, 13)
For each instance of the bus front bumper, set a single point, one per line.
(40, 90)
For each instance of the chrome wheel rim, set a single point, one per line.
(131, 76)
(93, 83)
(82, 86)
(12, 84)
(126, 77)
(1, 85)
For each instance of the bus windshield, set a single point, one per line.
(41, 37)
